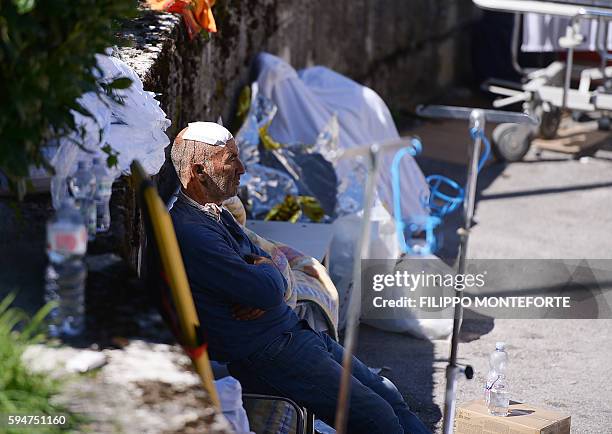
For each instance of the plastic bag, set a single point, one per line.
(383, 245)
(135, 129)
(138, 125)
(406, 321)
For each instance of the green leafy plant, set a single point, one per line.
(21, 391)
(47, 61)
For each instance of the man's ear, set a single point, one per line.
(197, 170)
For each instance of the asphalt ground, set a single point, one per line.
(550, 206)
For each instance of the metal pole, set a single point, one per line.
(352, 329)
(477, 121)
(172, 264)
(515, 44)
(568, 76)
(372, 153)
(604, 28)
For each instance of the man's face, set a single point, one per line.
(224, 172)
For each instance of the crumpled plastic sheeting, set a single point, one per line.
(307, 100)
(313, 174)
(293, 169)
(135, 129)
(354, 171)
(327, 140)
(266, 187)
(261, 113)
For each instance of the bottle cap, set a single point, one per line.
(500, 346)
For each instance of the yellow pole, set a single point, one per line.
(172, 264)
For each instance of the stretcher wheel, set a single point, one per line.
(550, 122)
(511, 141)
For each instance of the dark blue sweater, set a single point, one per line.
(219, 276)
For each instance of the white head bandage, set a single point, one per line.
(207, 132)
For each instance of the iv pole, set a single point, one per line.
(477, 119)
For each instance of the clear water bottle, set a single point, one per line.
(66, 272)
(104, 188)
(83, 188)
(496, 393)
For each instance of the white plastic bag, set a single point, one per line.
(407, 321)
(346, 230)
(135, 129)
(383, 245)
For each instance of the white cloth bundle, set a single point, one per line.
(135, 128)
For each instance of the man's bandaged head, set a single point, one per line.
(198, 143)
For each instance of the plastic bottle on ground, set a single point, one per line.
(104, 185)
(83, 188)
(66, 273)
(496, 393)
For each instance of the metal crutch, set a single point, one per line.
(477, 119)
(372, 153)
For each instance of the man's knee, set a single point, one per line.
(390, 393)
(379, 418)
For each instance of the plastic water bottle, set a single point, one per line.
(497, 396)
(83, 187)
(104, 189)
(66, 272)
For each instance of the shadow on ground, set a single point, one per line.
(408, 362)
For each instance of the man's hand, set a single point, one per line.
(258, 260)
(245, 313)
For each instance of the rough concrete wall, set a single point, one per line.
(406, 50)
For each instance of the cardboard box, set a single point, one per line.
(474, 418)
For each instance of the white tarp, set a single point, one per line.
(306, 101)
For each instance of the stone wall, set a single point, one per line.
(407, 50)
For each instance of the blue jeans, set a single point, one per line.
(306, 366)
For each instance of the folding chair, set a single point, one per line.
(171, 293)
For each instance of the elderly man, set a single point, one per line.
(239, 295)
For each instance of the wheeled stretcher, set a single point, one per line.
(547, 92)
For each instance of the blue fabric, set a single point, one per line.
(213, 253)
(306, 366)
